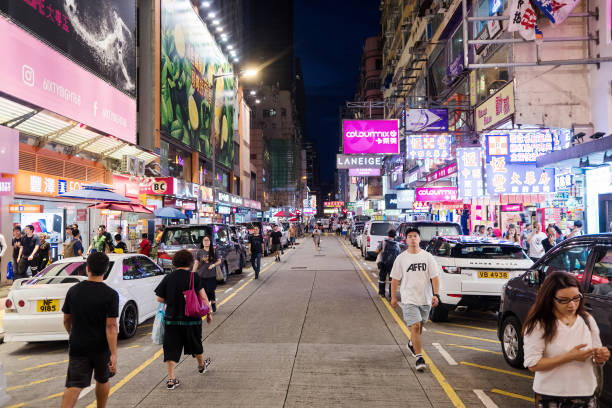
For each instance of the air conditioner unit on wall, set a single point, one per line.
(140, 167)
(125, 164)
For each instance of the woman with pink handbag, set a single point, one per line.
(186, 303)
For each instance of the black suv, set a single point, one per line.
(428, 230)
(589, 257)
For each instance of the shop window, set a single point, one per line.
(490, 80)
(437, 71)
(179, 163)
(456, 44)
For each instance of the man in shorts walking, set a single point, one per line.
(415, 269)
(275, 242)
(90, 318)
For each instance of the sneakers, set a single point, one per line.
(411, 348)
(202, 369)
(420, 364)
(172, 384)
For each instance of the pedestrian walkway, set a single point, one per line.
(310, 332)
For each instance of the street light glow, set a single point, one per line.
(211, 15)
(206, 4)
(253, 93)
(248, 73)
(219, 28)
(257, 101)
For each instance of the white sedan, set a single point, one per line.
(34, 305)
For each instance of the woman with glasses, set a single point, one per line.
(562, 344)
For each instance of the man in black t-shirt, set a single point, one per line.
(28, 252)
(90, 311)
(16, 248)
(275, 241)
(256, 248)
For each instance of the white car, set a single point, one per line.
(474, 271)
(34, 305)
(373, 233)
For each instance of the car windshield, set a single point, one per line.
(381, 228)
(428, 232)
(488, 251)
(186, 236)
(62, 273)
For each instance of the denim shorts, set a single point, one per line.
(415, 313)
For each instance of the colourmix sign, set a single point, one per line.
(436, 194)
(371, 136)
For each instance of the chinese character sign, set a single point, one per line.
(469, 169)
(429, 146)
(520, 146)
(505, 178)
(370, 136)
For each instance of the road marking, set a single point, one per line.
(468, 337)
(513, 395)
(49, 397)
(444, 353)
(43, 365)
(473, 327)
(24, 358)
(477, 349)
(448, 389)
(44, 380)
(86, 391)
(133, 346)
(487, 402)
(497, 370)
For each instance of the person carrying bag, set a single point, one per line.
(157, 335)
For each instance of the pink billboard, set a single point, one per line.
(371, 136)
(436, 194)
(35, 73)
(364, 172)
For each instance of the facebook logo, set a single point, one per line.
(62, 187)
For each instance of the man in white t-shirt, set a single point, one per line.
(536, 248)
(418, 271)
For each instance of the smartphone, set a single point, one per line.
(57, 223)
(37, 228)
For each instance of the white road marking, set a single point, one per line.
(87, 390)
(229, 290)
(486, 401)
(444, 354)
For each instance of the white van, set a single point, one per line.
(373, 233)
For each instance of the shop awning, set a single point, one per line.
(585, 155)
(125, 207)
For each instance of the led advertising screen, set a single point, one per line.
(190, 59)
(364, 172)
(99, 35)
(371, 136)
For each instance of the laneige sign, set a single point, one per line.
(362, 161)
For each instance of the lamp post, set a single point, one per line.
(245, 74)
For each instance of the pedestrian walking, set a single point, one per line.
(256, 249)
(145, 245)
(119, 230)
(77, 244)
(512, 234)
(3, 248)
(551, 239)
(562, 345)
(120, 246)
(206, 262)
(316, 238)
(30, 243)
(417, 271)
(527, 230)
(44, 253)
(16, 243)
(388, 250)
(275, 242)
(99, 243)
(292, 235)
(182, 334)
(535, 238)
(90, 312)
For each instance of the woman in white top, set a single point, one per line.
(561, 344)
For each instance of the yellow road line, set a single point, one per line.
(44, 380)
(497, 370)
(22, 404)
(133, 346)
(513, 395)
(467, 337)
(43, 365)
(467, 326)
(476, 349)
(448, 389)
(24, 358)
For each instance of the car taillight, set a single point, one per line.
(455, 295)
(368, 240)
(8, 303)
(163, 255)
(21, 303)
(451, 269)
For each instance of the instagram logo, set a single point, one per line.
(27, 75)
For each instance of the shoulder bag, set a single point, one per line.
(194, 305)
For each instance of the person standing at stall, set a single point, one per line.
(206, 262)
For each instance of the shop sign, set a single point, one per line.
(236, 200)
(469, 167)
(25, 208)
(330, 210)
(497, 108)
(380, 136)
(256, 205)
(364, 172)
(512, 208)
(6, 186)
(454, 70)
(346, 161)
(503, 178)
(184, 189)
(189, 205)
(9, 150)
(443, 172)
(473, 91)
(158, 186)
(405, 198)
(222, 209)
(564, 182)
(207, 194)
(207, 209)
(81, 214)
(520, 146)
(436, 193)
(170, 202)
(390, 201)
(426, 120)
(420, 206)
(309, 211)
(124, 186)
(428, 146)
(34, 72)
(336, 204)
(30, 183)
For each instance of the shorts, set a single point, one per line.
(80, 369)
(276, 247)
(415, 313)
(182, 338)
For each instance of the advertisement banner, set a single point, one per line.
(441, 173)
(436, 194)
(99, 35)
(347, 161)
(335, 204)
(364, 172)
(207, 194)
(379, 136)
(157, 186)
(391, 201)
(520, 146)
(426, 120)
(9, 150)
(190, 60)
(428, 146)
(469, 169)
(497, 108)
(30, 183)
(503, 178)
(34, 72)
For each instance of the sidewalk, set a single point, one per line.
(307, 334)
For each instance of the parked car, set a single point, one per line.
(34, 305)
(356, 230)
(373, 233)
(589, 257)
(177, 237)
(428, 230)
(474, 270)
(240, 234)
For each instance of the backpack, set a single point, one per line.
(390, 251)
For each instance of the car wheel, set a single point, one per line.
(128, 323)
(223, 273)
(439, 313)
(512, 341)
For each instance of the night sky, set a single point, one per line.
(329, 37)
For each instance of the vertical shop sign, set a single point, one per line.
(428, 146)
(469, 168)
(496, 109)
(504, 178)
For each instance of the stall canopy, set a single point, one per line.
(96, 192)
(280, 214)
(169, 212)
(122, 206)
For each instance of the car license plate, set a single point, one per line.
(47, 305)
(492, 275)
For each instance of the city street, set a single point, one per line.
(311, 331)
